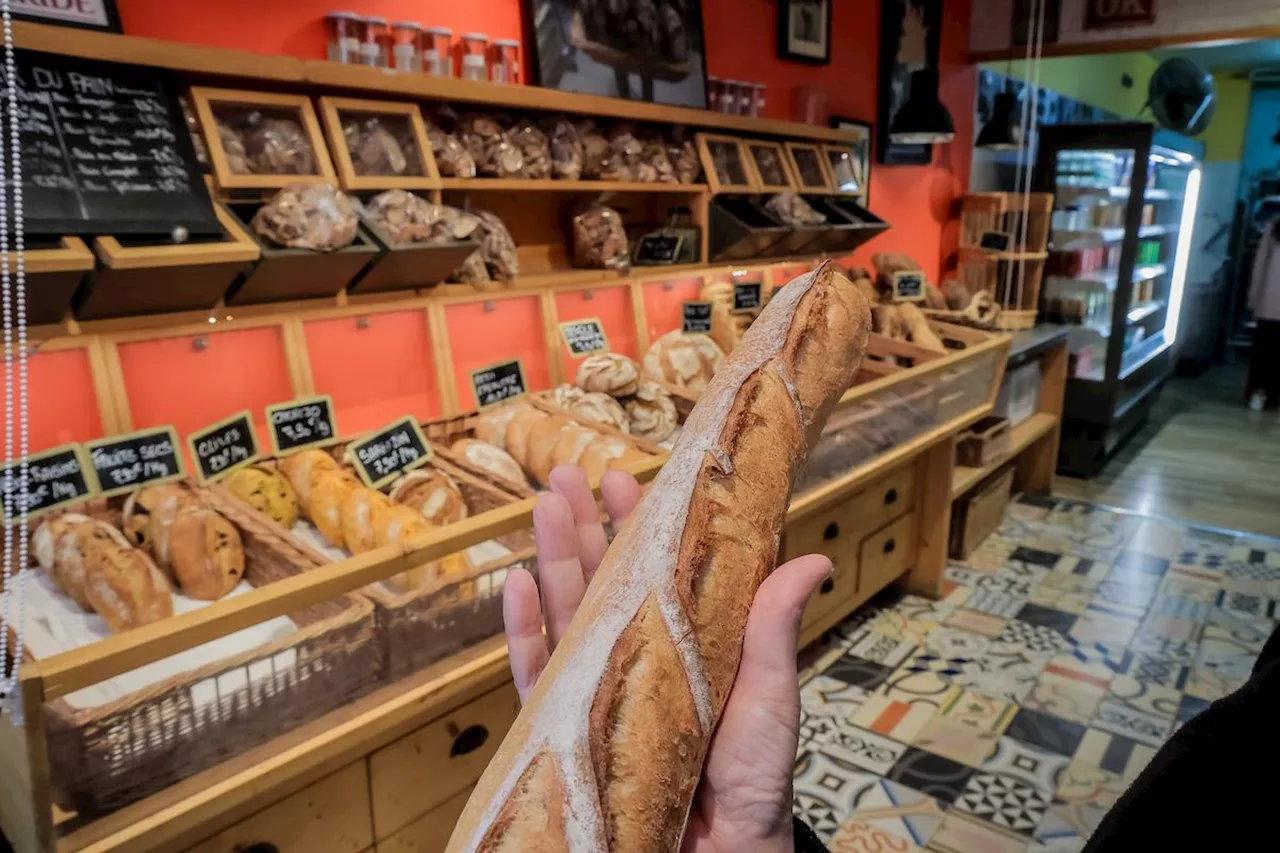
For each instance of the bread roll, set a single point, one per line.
(491, 426)
(606, 753)
(652, 412)
(149, 511)
(206, 555)
(433, 493)
(566, 396)
(572, 443)
(608, 373)
(268, 491)
(685, 361)
(122, 583)
(489, 458)
(363, 514)
(402, 525)
(56, 544)
(601, 408)
(328, 490)
(542, 444)
(518, 429)
(607, 452)
(302, 467)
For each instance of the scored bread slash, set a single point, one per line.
(608, 750)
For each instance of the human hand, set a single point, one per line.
(743, 802)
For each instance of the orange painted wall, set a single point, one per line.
(918, 201)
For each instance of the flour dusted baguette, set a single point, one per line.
(607, 752)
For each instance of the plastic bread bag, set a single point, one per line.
(794, 211)
(683, 155)
(408, 218)
(233, 149)
(498, 248)
(315, 216)
(566, 148)
(600, 239)
(452, 158)
(274, 144)
(534, 147)
(626, 154)
(375, 150)
(595, 149)
(655, 164)
(490, 146)
(475, 272)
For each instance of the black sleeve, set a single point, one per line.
(807, 840)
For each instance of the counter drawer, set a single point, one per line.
(429, 833)
(433, 764)
(831, 534)
(886, 554)
(329, 815)
(884, 500)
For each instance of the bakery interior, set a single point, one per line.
(316, 300)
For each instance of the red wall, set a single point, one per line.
(917, 201)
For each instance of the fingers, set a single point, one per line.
(522, 619)
(773, 626)
(621, 493)
(570, 482)
(560, 577)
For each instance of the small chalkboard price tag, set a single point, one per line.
(54, 478)
(747, 297)
(223, 447)
(299, 424)
(908, 286)
(696, 318)
(123, 463)
(584, 337)
(386, 454)
(658, 248)
(498, 383)
(994, 241)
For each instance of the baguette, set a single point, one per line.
(609, 748)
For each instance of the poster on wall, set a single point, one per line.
(642, 50)
(88, 14)
(804, 31)
(910, 31)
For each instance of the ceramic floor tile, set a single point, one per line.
(967, 745)
(996, 602)
(925, 679)
(818, 656)
(1248, 632)
(1190, 706)
(1123, 719)
(1031, 764)
(1148, 564)
(882, 649)
(1178, 607)
(1154, 669)
(1065, 600)
(1118, 592)
(832, 697)
(1004, 801)
(1192, 587)
(827, 789)
(1078, 570)
(1064, 699)
(861, 748)
(1095, 627)
(856, 836)
(977, 623)
(1226, 658)
(940, 778)
(979, 711)
(1047, 617)
(1251, 570)
(1210, 685)
(1116, 754)
(965, 834)
(900, 811)
(858, 672)
(1247, 604)
(1045, 731)
(1157, 539)
(1166, 648)
(893, 718)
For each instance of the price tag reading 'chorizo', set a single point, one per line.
(145, 458)
(390, 452)
(302, 423)
(584, 337)
(747, 298)
(54, 478)
(224, 447)
(497, 383)
(696, 318)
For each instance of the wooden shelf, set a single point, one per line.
(1021, 437)
(525, 185)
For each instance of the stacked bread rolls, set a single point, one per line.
(198, 548)
(684, 361)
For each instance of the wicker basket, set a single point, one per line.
(106, 757)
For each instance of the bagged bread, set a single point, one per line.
(490, 147)
(600, 240)
(408, 218)
(595, 149)
(793, 210)
(375, 150)
(683, 156)
(316, 216)
(266, 144)
(565, 149)
(496, 246)
(452, 158)
(534, 147)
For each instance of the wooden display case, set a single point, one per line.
(810, 168)
(214, 104)
(847, 166)
(421, 172)
(54, 273)
(770, 171)
(726, 163)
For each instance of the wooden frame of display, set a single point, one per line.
(705, 141)
(783, 162)
(860, 178)
(331, 109)
(241, 247)
(205, 99)
(828, 185)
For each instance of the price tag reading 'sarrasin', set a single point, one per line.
(390, 452)
(695, 318)
(497, 383)
(54, 478)
(301, 423)
(584, 337)
(144, 458)
(223, 447)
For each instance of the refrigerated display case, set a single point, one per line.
(1124, 208)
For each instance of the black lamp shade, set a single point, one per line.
(1003, 130)
(923, 119)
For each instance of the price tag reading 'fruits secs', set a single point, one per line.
(54, 478)
(497, 383)
(390, 452)
(223, 447)
(302, 423)
(123, 463)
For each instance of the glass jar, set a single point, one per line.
(729, 97)
(404, 51)
(757, 99)
(437, 51)
(714, 86)
(372, 43)
(475, 56)
(506, 61)
(343, 31)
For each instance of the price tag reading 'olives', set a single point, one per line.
(222, 448)
(584, 337)
(746, 297)
(302, 423)
(497, 383)
(696, 318)
(54, 478)
(390, 452)
(123, 463)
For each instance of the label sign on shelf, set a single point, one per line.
(695, 318)
(390, 452)
(908, 286)
(54, 478)
(747, 297)
(123, 463)
(223, 447)
(584, 337)
(995, 241)
(1101, 14)
(658, 249)
(301, 423)
(497, 383)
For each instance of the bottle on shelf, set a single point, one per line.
(437, 50)
(343, 31)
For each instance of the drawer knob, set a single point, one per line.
(889, 545)
(827, 585)
(831, 531)
(891, 497)
(260, 847)
(469, 740)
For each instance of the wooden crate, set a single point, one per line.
(983, 442)
(977, 514)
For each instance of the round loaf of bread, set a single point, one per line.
(301, 468)
(268, 491)
(608, 373)
(206, 554)
(400, 523)
(518, 429)
(491, 459)
(652, 412)
(491, 426)
(122, 584)
(149, 511)
(570, 446)
(433, 493)
(599, 454)
(363, 515)
(542, 444)
(603, 409)
(685, 361)
(566, 395)
(328, 490)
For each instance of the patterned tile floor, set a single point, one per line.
(1010, 715)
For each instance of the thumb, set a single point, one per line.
(773, 625)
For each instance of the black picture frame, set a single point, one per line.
(53, 18)
(787, 39)
(894, 81)
(848, 123)
(564, 57)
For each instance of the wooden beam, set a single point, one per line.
(1138, 44)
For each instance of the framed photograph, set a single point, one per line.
(910, 32)
(379, 145)
(724, 159)
(809, 168)
(86, 14)
(769, 167)
(804, 30)
(641, 50)
(851, 161)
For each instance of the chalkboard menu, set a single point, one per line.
(498, 382)
(696, 318)
(390, 452)
(223, 447)
(746, 297)
(301, 423)
(583, 337)
(105, 150)
(123, 463)
(54, 478)
(658, 248)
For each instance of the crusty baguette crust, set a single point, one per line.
(608, 750)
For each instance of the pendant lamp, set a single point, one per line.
(922, 120)
(1003, 131)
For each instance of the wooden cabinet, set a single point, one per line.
(429, 833)
(886, 554)
(829, 533)
(883, 500)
